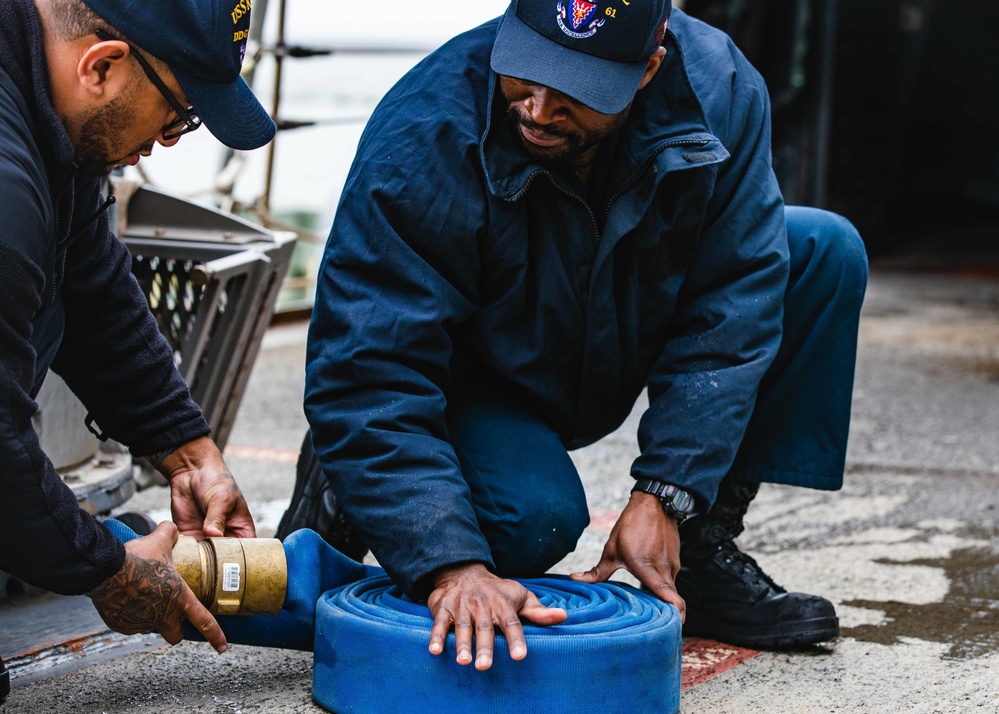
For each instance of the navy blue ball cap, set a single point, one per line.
(203, 42)
(594, 51)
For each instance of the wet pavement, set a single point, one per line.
(908, 550)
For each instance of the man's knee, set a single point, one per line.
(533, 541)
(828, 252)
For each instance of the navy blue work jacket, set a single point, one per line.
(68, 301)
(452, 249)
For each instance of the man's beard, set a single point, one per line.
(96, 152)
(575, 145)
(563, 155)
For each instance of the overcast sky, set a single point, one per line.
(389, 22)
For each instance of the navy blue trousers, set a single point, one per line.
(527, 494)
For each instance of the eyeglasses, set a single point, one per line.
(187, 119)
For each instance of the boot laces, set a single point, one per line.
(747, 566)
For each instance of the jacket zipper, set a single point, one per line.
(589, 211)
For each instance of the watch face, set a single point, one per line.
(676, 502)
(683, 501)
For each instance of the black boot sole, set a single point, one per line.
(784, 635)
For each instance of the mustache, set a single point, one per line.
(144, 149)
(529, 123)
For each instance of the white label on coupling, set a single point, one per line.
(230, 577)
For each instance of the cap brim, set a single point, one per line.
(603, 85)
(230, 110)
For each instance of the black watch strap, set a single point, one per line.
(677, 503)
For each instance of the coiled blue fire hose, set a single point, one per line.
(618, 652)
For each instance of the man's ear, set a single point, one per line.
(104, 66)
(655, 62)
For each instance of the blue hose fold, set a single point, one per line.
(617, 653)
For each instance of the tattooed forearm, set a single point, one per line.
(138, 597)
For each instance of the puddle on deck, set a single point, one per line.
(967, 619)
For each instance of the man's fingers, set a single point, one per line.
(230, 518)
(463, 629)
(587, 576)
(598, 573)
(463, 634)
(513, 631)
(198, 615)
(658, 578)
(172, 631)
(481, 606)
(167, 532)
(665, 590)
(438, 633)
(215, 517)
(671, 596)
(538, 614)
(467, 629)
(662, 588)
(240, 524)
(484, 638)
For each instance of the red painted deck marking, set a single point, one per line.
(704, 659)
(260, 453)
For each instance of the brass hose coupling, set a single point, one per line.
(234, 576)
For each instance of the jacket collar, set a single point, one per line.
(666, 127)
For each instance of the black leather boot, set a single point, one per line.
(314, 506)
(729, 597)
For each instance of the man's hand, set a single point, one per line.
(646, 543)
(148, 594)
(475, 601)
(204, 497)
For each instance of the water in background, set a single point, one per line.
(338, 92)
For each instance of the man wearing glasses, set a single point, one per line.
(86, 85)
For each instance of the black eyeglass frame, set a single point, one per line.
(187, 119)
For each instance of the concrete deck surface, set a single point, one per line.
(907, 550)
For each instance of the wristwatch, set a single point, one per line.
(677, 503)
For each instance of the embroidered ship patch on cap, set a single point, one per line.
(583, 24)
